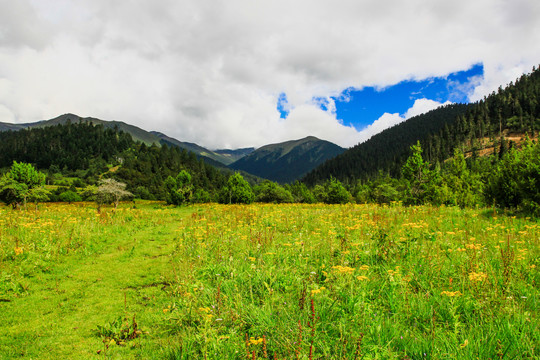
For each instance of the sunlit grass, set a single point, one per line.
(269, 281)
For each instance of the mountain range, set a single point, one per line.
(283, 162)
(490, 125)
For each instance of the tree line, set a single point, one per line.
(510, 181)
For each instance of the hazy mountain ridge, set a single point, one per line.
(288, 161)
(236, 154)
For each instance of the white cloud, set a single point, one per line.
(211, 72)
(422, 106)
(388, 120)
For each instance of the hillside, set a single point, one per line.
(88, 151)
(288, 161)
(138, 134)
(387, 150)
(475, 128)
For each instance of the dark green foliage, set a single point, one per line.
(147, 167)
(70, 196)
(179, 189)
(21, 184)
(515, 181)
(382, 190)
(236, 191)
(142, 192)
(332, 192)
(201, 196)
(464, 187)
(270, 192)
(70, 146)
(417, 176)
(83, 150)
(301, 193)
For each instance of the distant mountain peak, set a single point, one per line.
(288, 161)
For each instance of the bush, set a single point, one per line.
(70, 196)
(179, 189)
(142, 192)
(202, 196)
(21, 184)
(332, 192)
(237, 191)
(270, 192)
(301, 193)
(515, 183)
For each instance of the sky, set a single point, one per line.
(241, 73)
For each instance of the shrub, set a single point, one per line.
(70, 196)
(237, 191)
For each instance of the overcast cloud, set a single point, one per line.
(211, 72)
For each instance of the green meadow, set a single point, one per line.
(147, 281)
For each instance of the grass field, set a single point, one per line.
(267, 282)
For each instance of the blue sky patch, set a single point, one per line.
(283, 105)
(362, 107)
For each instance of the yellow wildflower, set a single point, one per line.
(473, 276)
(254, 341)
(317, 291)
(343, 269)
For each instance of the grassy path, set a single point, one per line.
(217, 282)
(125, 277)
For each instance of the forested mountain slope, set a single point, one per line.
(71, 146)
(90, 152)
(138, 134)
(472, 127)
(387, 150)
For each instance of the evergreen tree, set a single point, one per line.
(465, 188)
(515, 181)
(416, 175)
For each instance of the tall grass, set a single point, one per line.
(285, 281)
